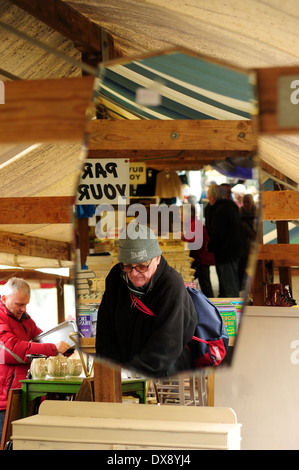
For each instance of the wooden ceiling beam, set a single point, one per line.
(32, 275)
(51, 110)
(15, 244)
(172, 155)
(171, 135)
(280, 205)
(36, 210)
(65, 19)
(282, 254)
(277, 175)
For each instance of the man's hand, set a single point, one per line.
(62, 347)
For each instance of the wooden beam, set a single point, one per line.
(177, 135)
(15, 244)
(277, 175)
(65, 19)
(60, 301)
(51, 110)
(177, 160)
(281, 254)
(283, 237)
(280, 205)
(149, 156)
(33, 275)
(107, 383)
(36, 210)
(267, 95)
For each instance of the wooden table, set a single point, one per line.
(32, 389)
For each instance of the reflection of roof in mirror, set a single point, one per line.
(190, 88)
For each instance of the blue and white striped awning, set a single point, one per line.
(189, 87)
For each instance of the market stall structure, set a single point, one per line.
(35, 196)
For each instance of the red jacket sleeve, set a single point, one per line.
(20, 349)
(17, 344)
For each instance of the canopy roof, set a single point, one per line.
(189, 87)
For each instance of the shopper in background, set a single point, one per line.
(152, 338)
(248, 216)
(226, 191)
(223, 225)
(17, 330)
(202, 257)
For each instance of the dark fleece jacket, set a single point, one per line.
(153, 345)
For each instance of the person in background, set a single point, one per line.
(224, 229)
(248, 216)
(226, 190)
(17, 332)
(149, 337)
(203, 258)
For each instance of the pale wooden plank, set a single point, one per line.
(33, 246)
(280, 205)
(36, 210)
(45, 110)
(124, 410)
(281, 254)
(171, 135)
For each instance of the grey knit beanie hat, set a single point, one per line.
(138, 244)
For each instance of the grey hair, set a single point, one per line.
(216, 191)
(13, 285)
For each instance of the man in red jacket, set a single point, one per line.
(17, 330)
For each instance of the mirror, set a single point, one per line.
(171, 139)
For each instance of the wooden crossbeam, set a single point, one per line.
(280, 205)
(51, 110)
(36, 210)
(282, 254)
(15, 244)
(149, 155)
(32, 275)
(66, 20)
(211, 135)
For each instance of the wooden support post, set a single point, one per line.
(107, 383)
(285, 276)
(83, 233)
(258, 281)
(211, 387)
(60, 300)
(258, 284)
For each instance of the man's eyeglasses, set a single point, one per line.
(140, 268)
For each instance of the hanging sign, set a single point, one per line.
(104, 181)
(137, 173)
(288, 101)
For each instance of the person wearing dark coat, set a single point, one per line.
(202, 257)
(150, 338)
(224, 228)
(248, 217)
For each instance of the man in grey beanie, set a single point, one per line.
(146, 317)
